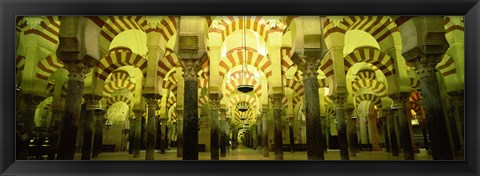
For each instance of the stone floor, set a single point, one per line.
(243, 153)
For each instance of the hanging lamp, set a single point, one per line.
(244, 87)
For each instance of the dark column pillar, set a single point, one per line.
(391, 123)
(152, 104)
(91, 101)
(458, 105)
(265, 132)
(339, 102)
(277, 120)
(385, 129)
(351, 128)
(309, 64)
(223, 133)
(374, 130)
(131, 134)
(190, 67)
(26, 125)
(290, 130)
(163, 135)
(54, 137)
(259, 134)
(98, 134)
(179, 132)
(73, 101)
(137, 141)
(325, 132)
(403, 122)
(214, 127)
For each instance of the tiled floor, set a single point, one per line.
(243, 153)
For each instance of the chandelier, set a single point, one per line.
(244, 87)
(242, 106)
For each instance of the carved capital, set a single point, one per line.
(339, 101)
(307, 64)
(215, 102)
(400, 100)
(152, 100)
(190, 67)
(91, 101)
(276, 100)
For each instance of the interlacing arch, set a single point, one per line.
(452, 24)
(171, 83)
(118, 98)
(297, 87)
(235, 80)
(286, 54)
(255, 59)
(202, 101)
(171, 100)
(117, 58)
(371, 84)
(170, 61)
(230, 24)
(167, 27)
(118, 79)
(374, 99)
(446, 66)
(373, 56)
(48, 28)
(414, 100)
(46, 67)
(380, 27)
(115, 25)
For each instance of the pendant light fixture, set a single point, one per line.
(244, 87)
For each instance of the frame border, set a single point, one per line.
(9, 9)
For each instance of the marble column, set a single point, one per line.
(392, 133)
(163, 135)
(190, 114)
(458, 104)
(374, 132)
(73, 102)
(400, 100)
(259, 133)
(325, 133)
(152, 104)
(98, 134)
(88, 126)
(131, 134)
(339, 102)
(425, 67)
(179, 133)
(214, 128)
(385, 130)
(223, 133)
(309, 66)
(55, 127)
(277, 120)
(351, 128)
(265, 133)
(27, 124)
(138, 133)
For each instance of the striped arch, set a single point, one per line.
(369, 97)
(115, 25)
(20, 62)
(326, 65)
(47, 67)
(414, 83)
(322, 83)
(446, 66)
(171, 100)
(118, 79)
(380, 27)
(286, 54)
(117, 58)
(366, 74)
(255, 59)
(167, 27)
(371, 84)
(296, 86)
(234, 99)
(118, 98)
(171, 83)
(202, 101)
(331, 112)
(372, 56)
(414, 100)
(230, 24)
(235, 80)
(50, 89)
(453, 24)
(170, 61)
(48, 29)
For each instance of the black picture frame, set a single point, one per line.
(9, 9)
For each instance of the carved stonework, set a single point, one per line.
(33, 21)
(153, 22)
(425, 69)
(77, 70)
(215, 102)
(190, 67)
(91, 101)
(336, 20)
(400, 99)
(307, 64)
(277, 101)
(152, 101)
(339, 102)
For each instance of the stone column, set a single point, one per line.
(425, 67)
(458, 103)
(277, 120)
(163, 135)
(28, 124)
(152, 104)
(290, 132)
(223, 133)
(179, 132)
(392, 133)
(131, 134)
(400, 100)
(138, 133)
(374, 131)
(91, 101)
(265, 132)
(351, 137)
(55, 127)
(73, 101)
(214, 128)
(98, 134)
(309, 66)
(190, 115)
(385, 130)
(339, 102)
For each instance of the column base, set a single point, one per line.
(376, 148)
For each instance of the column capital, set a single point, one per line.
(215, 101)
(191, 66)
(276, 100)
(308, 64)
(339, 101)
(91, 101)
(400, 99)
(424, 64)
(152, 100)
